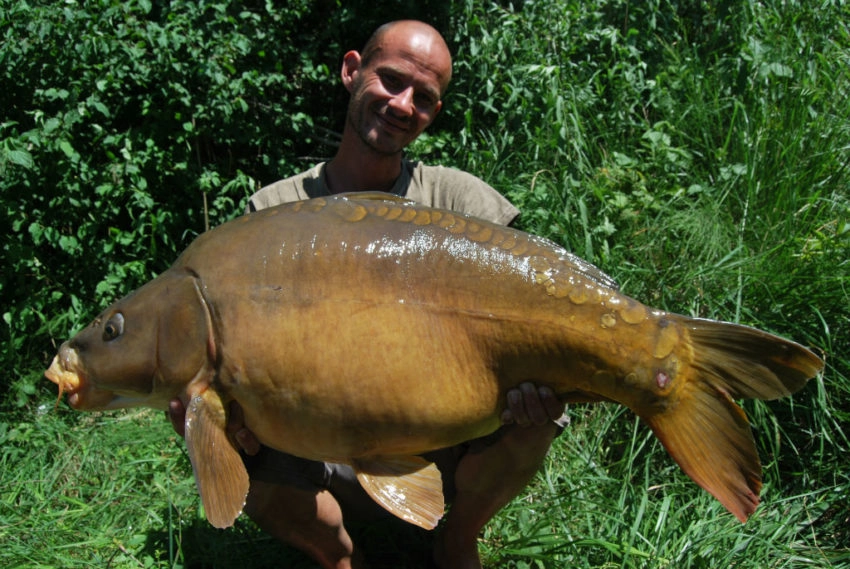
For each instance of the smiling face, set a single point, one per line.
(396, 85)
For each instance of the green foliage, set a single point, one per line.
(67, 490)
(698, 152)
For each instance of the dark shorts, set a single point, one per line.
(277, 467)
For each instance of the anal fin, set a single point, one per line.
(408, 487)
(220, 474)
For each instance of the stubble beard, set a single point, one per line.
(357, 120)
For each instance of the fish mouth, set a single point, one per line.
(63, 372)
(67, 372)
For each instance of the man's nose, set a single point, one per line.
(402, 102)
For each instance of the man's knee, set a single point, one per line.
(309, 521)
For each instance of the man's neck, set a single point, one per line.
(355, 169)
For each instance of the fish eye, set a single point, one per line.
(114, 327)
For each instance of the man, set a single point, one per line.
(396, 86)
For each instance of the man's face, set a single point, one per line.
(396, 95)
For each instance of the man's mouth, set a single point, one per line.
(393, 124)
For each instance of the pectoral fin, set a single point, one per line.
(219, 471)
(409, 487)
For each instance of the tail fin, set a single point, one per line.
(704, 430)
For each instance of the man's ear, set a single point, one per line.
(350, 68)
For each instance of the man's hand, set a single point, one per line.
(237, 432)
(530, 405)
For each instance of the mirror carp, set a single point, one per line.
(367, 329)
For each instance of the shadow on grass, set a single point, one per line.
(387, 544)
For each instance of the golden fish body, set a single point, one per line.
(369, 329)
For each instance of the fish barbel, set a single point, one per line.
(367, 329)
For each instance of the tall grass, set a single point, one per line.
(700, 156)
(698, 152)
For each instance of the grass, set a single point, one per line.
(110, 490)
(115, 490)
(657, 518)
(699, 155)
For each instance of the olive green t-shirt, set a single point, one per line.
(434, 186)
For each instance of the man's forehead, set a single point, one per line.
(425, 51)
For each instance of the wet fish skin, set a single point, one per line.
(366, 329)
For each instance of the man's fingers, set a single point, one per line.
(238, 432)
(515, 413)
(533, 404)
(236, 429)
(525, 406)
(235, 419)
(177, 415)
(554, 407)
(248, 441)
(529, 405)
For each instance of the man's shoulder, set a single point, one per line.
(295, 188)
(447, 174)
(450, 188)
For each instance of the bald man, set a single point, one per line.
(396, 85)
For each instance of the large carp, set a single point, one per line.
(369, 329)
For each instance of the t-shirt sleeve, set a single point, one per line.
(306, 185)
(449, 188)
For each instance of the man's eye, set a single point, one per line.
(391, 81)
(425, 101)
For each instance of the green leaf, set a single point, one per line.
(19, 157)
(66, 148)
